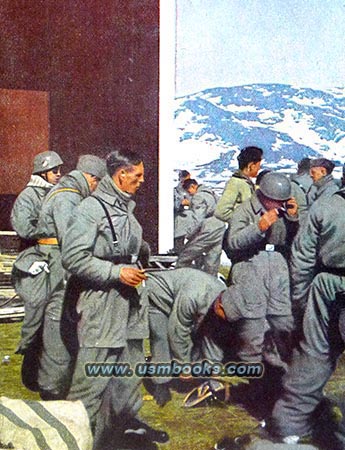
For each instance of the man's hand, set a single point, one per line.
(268, 219)
(218, 308)
(132, 276)
(292, 207)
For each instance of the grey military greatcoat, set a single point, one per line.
(259, 274)
(111, 314)
(318, 276)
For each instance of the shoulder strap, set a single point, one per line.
(112, 229)
(76, 191)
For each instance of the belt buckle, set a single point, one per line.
(134, 259)
(269, 247)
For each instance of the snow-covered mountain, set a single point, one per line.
(287, 122)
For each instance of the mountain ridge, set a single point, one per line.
(286, 121)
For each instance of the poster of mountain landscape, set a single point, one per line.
(268, 73)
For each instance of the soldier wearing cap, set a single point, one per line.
(43, 312)
(321, 172)
(46, 173)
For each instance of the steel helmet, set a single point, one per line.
(45, 161)
(276, 186)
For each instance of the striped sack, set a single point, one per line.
(53, 425)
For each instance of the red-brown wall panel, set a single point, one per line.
(99, 63)
(24, 132)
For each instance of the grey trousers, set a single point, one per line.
(55, 363)
(54, 372)
(110, 401)
(159, 342)
(314, 361)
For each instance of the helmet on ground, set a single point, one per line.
(276, 186)
(45, 161)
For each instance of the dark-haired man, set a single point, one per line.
(240, 186)
(102, 248)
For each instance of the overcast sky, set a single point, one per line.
(235, 42)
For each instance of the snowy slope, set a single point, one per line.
(287, 122)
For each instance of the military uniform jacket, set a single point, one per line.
(245, 238)
(26, 208)
(260, 282)
(320, 247)
(24, 219)
(55, 210)
(60, 203)
(203, 205)
(237, 190)
(110, 312)
(325, 188)
(184, 295)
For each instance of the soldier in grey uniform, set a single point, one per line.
(318, 274)
(324, 184)
(259, 239)
(58, 205)
(46, 173)
(205, 233)
(179, 299)
(193, 316)
(101, 248)
(261, 231)
(30, 271)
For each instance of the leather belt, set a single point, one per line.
(48, 241)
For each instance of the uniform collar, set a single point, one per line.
(110, 193)
(37, 181)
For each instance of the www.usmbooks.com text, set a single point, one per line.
(202, 369)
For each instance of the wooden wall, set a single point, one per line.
(97, 62)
